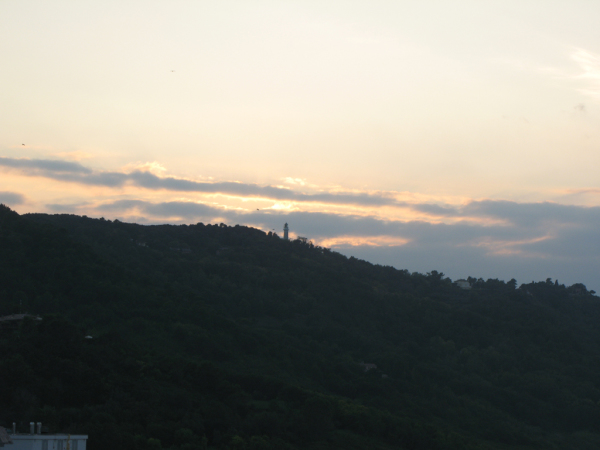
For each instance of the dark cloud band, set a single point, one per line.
(11, 198)
(76, 173)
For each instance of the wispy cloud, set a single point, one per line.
(74, 156)
(153, 167)
(44, 167)
(593, 191)
(589, 64)
(585, 78)
(534, 215)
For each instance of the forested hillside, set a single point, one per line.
(210, 336)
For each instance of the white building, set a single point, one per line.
(463, 284)
(47, 442)
(38, 441)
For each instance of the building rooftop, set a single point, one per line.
(18, 317)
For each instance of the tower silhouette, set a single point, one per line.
(285, 231)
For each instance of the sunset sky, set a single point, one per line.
(462, 136)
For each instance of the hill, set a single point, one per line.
(209, 336)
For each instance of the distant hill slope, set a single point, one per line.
(227, 337)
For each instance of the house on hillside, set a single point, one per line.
(17, 317)
(13, 320)
(368, 366)
(463, 284)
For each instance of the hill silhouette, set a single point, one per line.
(211, 336)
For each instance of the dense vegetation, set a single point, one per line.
(209, 336)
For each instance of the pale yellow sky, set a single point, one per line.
(430, 103)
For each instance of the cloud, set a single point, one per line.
(76, 173)
(438, 210)
(75, 156)
(534, 214)
(594, 191)
(586, 77)
(44, 167)
(153, 167)
(68, 171)
(11, 198)
(295, 181)
(589, 64)
(589, 196)
(185, 210)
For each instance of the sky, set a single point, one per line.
(461, 137)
